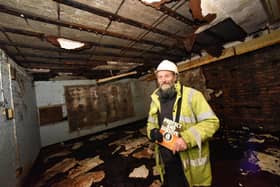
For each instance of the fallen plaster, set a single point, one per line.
(84, 166)
(133, 145)
(145, 153)
(60, 167)
(77, 145)
(140, 172)
(85, 180)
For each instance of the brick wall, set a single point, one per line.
(249, 87)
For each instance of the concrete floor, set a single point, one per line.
(235, 158)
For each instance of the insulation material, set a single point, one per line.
(230, 9)
(96, 105)
(140, 172)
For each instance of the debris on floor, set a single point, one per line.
(59, 154)
(139, 172)
(124, 157)
(77, 145)
(85, 180)
(146, 153)
(133, 145)
(84, 166)
(99, 137)
(58, 168)
(107, 159)
(268, 163)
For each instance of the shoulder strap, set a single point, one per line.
(179, 105)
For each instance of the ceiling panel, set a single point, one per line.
(75, 15)
(125, 30)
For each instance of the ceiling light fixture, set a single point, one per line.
(151, 1)
(67, 44)
(155, 3)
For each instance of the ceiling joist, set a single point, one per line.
(114, 17)
(80, 27)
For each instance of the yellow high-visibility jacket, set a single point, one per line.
(199, 123)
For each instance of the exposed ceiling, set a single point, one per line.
(124, 37)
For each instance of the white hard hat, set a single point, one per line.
(167, 66)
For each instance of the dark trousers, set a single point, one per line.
(174, 174)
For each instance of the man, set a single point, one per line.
(188, 163)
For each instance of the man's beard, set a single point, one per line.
(167, 91)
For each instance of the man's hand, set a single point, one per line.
(156, 135)
(179, 145)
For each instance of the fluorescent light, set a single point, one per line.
(69, 44)
(151, 1)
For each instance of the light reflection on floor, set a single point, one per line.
(239, 158)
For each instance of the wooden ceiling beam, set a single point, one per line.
(27, 15)
(22, 32)
(176, 15)
(115, 17)
(42, 37)
(111, 56)
(50, 65)
(65, 68)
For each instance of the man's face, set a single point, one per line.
(165, 79)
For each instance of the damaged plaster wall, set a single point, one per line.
(19, 133)
(51, 93)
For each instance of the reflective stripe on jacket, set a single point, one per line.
(199, 123)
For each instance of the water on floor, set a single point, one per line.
(123, 157)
